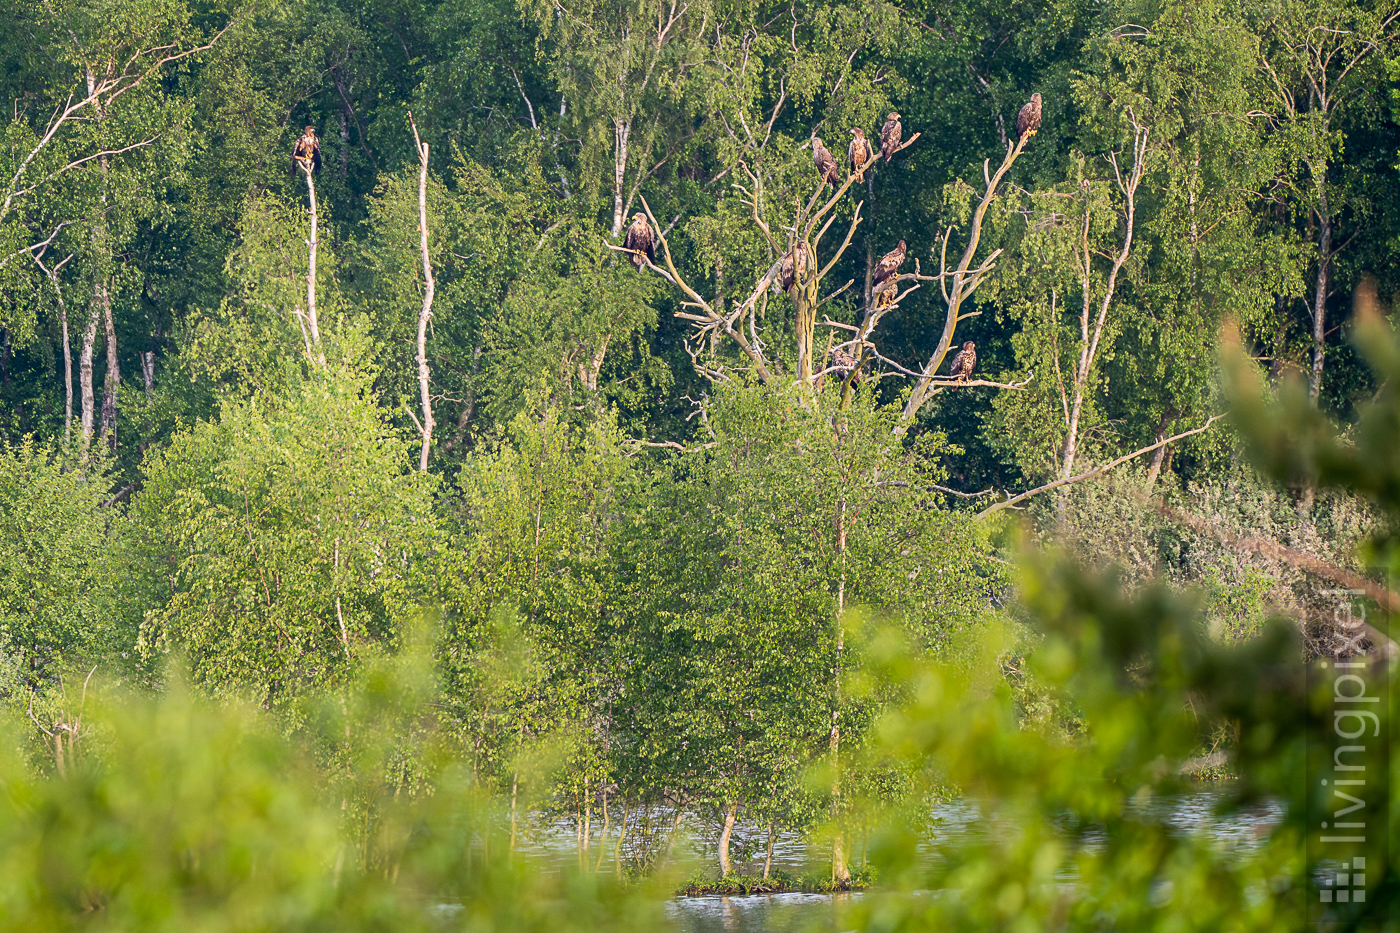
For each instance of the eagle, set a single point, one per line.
(887, 266)
(889, 135)
(826, 163)
(639, 240)
(1028, 120)
(964, 361)
(844, 362)
(307, 152)
(787, 272)
(860, 153)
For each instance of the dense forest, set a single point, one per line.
(616, 412)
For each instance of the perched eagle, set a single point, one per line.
(843, 362)
(307, 152)
(861, 154)
(1028, 120)
(889, 135)
(964, 361)
(639, 240)
(787, 273)
(826, 163)
(882, 294)
(887, 266)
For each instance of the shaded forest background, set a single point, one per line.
(636, 557)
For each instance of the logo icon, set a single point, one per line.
(1347, 884)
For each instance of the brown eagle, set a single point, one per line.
(843, 363)
(861, 154)
(887, 266)
(639, 240)
(787, 271)
(889, 135)
(1028, 120)
(307, 152)
(964, 361)
(826, 163)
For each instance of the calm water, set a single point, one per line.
(958, 822)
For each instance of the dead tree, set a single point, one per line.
(425, 426)
(65, 730)
(52, 273)
(306, 317)
(1092, 321)
(802, 240)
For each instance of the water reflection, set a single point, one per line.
(769, 913)
(957, 822)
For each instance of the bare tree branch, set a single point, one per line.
(1090, 474)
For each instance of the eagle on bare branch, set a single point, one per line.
(307, 152)
(787, 272)
(888, 265)
(639, 240)
(964, 361)
(1028, 120)
(826, 163)
(860, 153)
(890, 134)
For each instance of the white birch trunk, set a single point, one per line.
(426, 313)
(725, 866)
(622, 132)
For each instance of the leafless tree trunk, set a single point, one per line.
(840, 872)
(102, 289)
(112, 377)
(148, 372)
(712, 318)
(603, 838)
(52, 273)
(344, 145)
(515, 784)
(85, 377)
(768, 861)
(1320, 290)
(725, 866)
(426, 425)
(339, 615)
(1091, 326)
(621, 836)
(964, 281)
(311, 328)
(622, 133)
(587, 819)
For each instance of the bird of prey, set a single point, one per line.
(1028, 120)
(964, 361)
(889, 135)
(787, 273)
(861, 154)
(307, 152)
(639, 240)
(826, 163)
(887, 266)
(843, 362)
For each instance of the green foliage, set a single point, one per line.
(1070, 805)
(256, 341)
(62, 557)
(759, 543)
(532, 592)
(289, 534)
(182, 814)
(648, 589)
